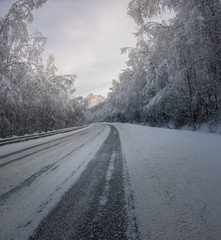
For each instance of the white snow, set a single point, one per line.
(110, 170)
(21, 145)
(176, 181)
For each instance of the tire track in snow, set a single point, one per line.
(50, 167)
(95, 207)
(39, 145)
(27, 182)
(28, 155)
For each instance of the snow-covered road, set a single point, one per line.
(35, 174)
(94, 208)
(118, 181)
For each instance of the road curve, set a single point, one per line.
(71, 187)
(94, 208)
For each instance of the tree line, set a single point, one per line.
(33, 98)
(173, 75)
(172, 79)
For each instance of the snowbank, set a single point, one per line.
(176, 179)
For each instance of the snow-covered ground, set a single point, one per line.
(176, 181)
(173, 178)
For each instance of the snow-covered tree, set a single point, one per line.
(174, 71)
(32, 96)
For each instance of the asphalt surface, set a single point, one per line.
(95, 207)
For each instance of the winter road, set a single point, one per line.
(95, 205)
(118, 181)
(35, 178)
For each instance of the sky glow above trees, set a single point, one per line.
(85, 38)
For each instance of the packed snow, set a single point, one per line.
(34, 183)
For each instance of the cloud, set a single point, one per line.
(85, 38)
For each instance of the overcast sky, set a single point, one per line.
(85, 37)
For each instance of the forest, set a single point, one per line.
(172, 78)
(33, 98)
(173, 75)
